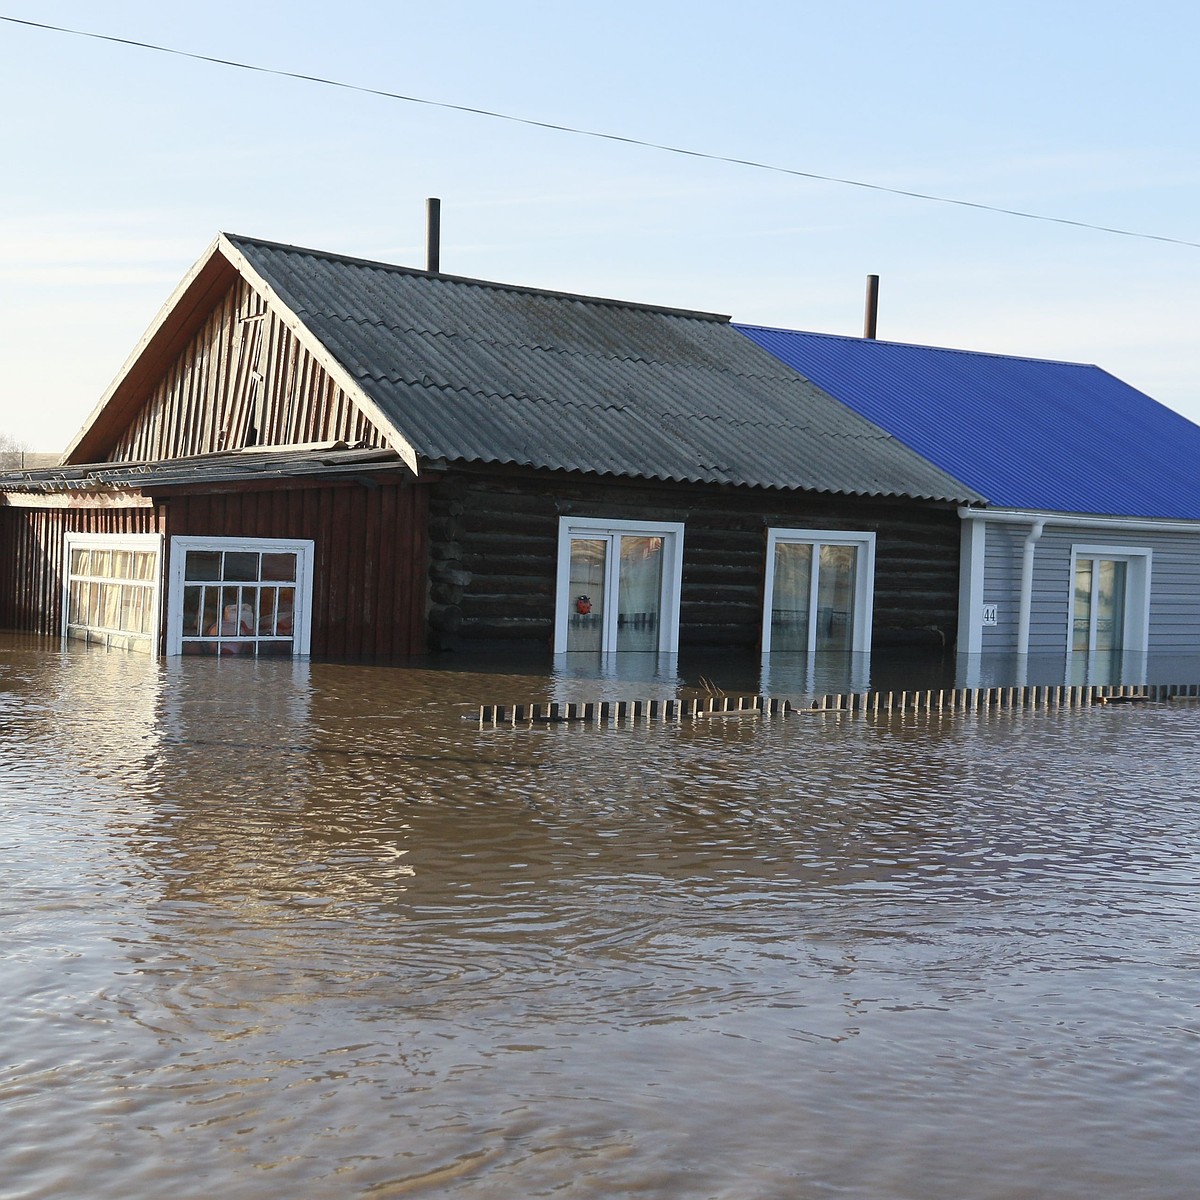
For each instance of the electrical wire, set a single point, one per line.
(593, 133)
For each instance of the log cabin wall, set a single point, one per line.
(31, 557)
(494, 542)
(370, 569)
(243, 380)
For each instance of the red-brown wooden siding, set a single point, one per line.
(370, 570)
(242, 357)
(31, 557)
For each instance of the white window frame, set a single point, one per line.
(305, 551)
(596, 527)
(864, 580)
(138, 542)
(1135, 638)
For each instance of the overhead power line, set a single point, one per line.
(594, 133)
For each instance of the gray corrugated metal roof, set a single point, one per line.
(480, 372)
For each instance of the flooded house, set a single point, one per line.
(313, 454)
(1085, 562)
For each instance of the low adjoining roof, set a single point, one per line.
(260, 466)
(467, 370)
(1027, 433)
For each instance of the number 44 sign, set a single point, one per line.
(990, 614)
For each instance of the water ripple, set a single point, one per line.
(299, 929)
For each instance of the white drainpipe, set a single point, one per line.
(1035, 532)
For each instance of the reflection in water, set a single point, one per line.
(1097, 668)
(589, 676)
(279, 929)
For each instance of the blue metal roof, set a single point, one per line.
(1026, 433)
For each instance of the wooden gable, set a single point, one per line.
(224, 366)
(242, 380)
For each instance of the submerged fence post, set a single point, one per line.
(960, 701)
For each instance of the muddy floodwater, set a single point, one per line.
(300, 930)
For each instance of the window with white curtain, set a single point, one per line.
(618, 586)
(819, 591)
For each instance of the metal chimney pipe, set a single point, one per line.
(871, 320)
(433, 235)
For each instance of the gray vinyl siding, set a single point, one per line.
(1002, 585)
(1175, 595)
(1051, 608)
(1174, 585)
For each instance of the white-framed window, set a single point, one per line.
(247, 596)
(112, 588)
(819, 592)
(1110, 600)
(618, 585)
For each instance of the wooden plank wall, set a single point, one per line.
(369, 589)
(31, 557)
(493, 544)
(243, 380)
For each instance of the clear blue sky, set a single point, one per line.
(120, 165)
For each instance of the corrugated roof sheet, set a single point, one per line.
(481, 372)
(1027, 433)
(259, 464)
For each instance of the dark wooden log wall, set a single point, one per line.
(243, 380)
(370, 570)
(31, 557)
(494, 541)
